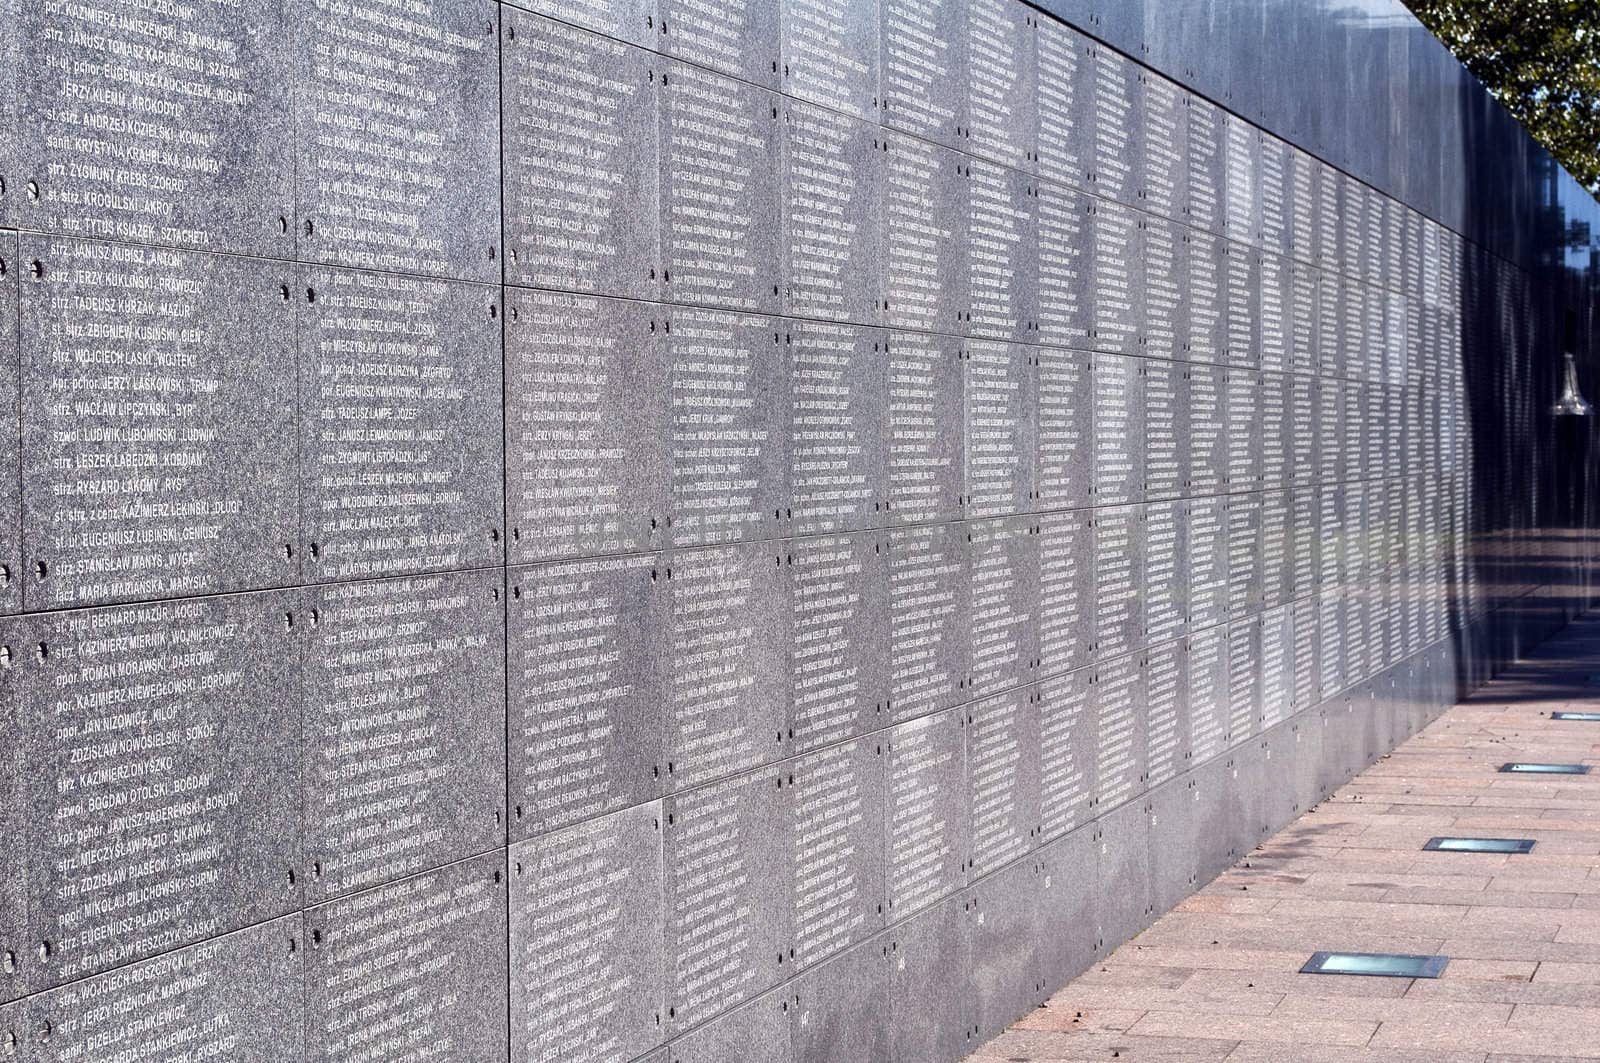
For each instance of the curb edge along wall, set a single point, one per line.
(937, 833)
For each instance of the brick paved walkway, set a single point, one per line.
(1217, 978)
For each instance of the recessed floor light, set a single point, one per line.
(1479, 845)
(1581, 717)
(1375, 964)
(1516, 768)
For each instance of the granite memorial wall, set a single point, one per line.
(783, 530)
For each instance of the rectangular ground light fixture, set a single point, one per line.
(1479, 845)
(1580, 717)
(1375, 964)
(1519, 768)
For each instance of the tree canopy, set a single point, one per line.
(1541, 59)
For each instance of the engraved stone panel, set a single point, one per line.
(1164, 173)
(1209, 440)
(1166, 572)
(238, 997)
(1065, 99)
(925, 236)
(1119, 457)
(728, 893)
(158, 423)
(837, 847)
(1241, 266)
(830, 54)
(1242, 180)
(1279, 536)
(1166, 692)
(1003, 778)
(1277, 665)
(1166, 429)
(741, 38)
(1118, 579)
(633, 21)
(1002, 252)
(838, 380)
(581, 160)
(1207, 186)
(1003, 572)
(1067, 593)
(726, 624)
(843, 1006)
(926, 415)
(1118, 131)
(757, 1032)
(1274, 317)
(1304, 463)
(1305, 319)
(1121, 733)
(16, 956)
(1205, 301)
(1064, 472)
(1068, 752)
(415, 968)
(1001, 82)
(397, 122)
(1244, 679)
(400, 452)
(405, 685)
(1163, 282)
(585, 690)
(164, 752)
(1244, 430)
(1064, 270)
(1276, 193)
(931, 1010)
(1208, 693)
(171, 126)
(720, 176)
(841, 628)
(588, 465)
(1116, 291)
(1207, 559)
(832, 203)
(928, 825)
(1244, 556)
(730, 414)
(929, 619)
(587, 964)
(924, 52)
(10, 437)
(1275, 417)
(1001, 428)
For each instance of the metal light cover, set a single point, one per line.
(1571, 403)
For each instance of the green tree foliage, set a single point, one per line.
(1541, 59)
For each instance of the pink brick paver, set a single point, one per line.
(1217, 978)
